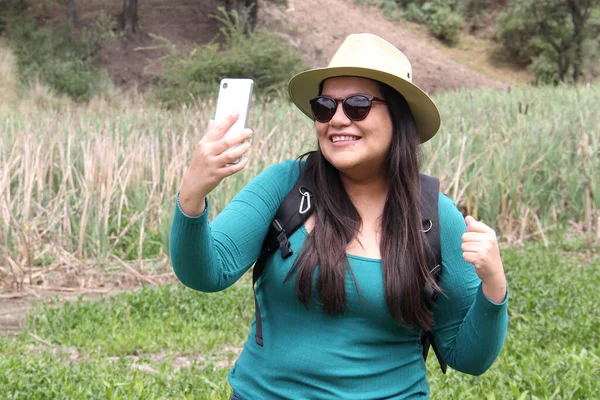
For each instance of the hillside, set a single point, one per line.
(317, 38)
(316, 35)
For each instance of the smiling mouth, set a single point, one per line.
(335, 139)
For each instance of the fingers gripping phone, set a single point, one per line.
(234, 96)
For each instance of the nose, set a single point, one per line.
(340, 118)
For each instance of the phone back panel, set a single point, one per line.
(234, 96)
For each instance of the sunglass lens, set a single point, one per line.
(323, 108)
(357, 107)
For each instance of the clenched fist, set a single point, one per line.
(480, 248)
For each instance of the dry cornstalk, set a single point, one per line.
(39, 339)
(541, 230)
(133, 271)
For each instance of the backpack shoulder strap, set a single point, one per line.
(294, 210)
(430, 189)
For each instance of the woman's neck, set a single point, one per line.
(367, 192)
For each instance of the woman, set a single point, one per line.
(349, 328)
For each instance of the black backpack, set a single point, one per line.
(297, 206)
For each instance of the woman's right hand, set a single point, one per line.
(211, 163)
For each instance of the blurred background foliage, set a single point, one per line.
(557, 41)
(259, 55)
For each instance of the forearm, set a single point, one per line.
(195, 254)
(480, 337)
(191, 204)
(495, 290)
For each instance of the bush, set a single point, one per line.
(414, 13)
(261, 56)
(59, 57)
(544, 69)
(440, 17)
(444, 23)
(78, 78)
(515, 33)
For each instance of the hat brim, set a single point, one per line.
(305, 86)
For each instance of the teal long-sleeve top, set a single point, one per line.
(308, 354)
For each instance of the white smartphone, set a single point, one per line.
(234, 96)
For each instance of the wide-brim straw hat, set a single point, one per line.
(369, 56)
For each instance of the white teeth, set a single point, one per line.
(343, 138)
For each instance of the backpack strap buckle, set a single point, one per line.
(282, 240)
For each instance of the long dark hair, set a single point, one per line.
(402, 245)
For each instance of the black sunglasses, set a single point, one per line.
(356, 106)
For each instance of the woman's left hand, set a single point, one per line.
(480, 248)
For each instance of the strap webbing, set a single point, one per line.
(287, 220)
(430, 189)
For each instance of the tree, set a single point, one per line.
(130, 17)
(556, 39)
(72, 12)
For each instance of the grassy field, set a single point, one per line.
(171, 342)
(81, 184)
(88, 182)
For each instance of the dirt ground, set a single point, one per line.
(14, 306)
(21, 291)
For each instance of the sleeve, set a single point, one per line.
(469, 329)
(210, 257)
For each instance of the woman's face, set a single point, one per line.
(371, 137)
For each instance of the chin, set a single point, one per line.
(343, 162)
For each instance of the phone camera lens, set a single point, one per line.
(225, 86)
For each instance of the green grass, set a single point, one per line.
(154, 327)
(150, 320)
(43, 376)
(551, 351)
